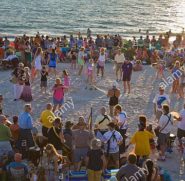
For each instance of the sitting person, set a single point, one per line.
(138, 66)
(153, 172)
(95, 161)
(17, 170)
(129, 171)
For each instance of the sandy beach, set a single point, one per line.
(144, 88)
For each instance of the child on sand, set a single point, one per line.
(44, 79)
(58, 94)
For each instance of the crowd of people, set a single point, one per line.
(61, 147)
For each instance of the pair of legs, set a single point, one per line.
(163, 141)
(175, 86)
(118, 71)
(113, 158)
(94, 175)
(100, 68)
(52, 69)
(56, 106)
(181, 90)
(80, 69)
(73, 64)
(126, 85)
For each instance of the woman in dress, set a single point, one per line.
(37, 63)
(26, 93)
(53, 61)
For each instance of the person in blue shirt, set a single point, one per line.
(26, 126)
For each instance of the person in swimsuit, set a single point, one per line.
(52, 61)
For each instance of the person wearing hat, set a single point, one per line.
(95, 161)
(81, 138)
(101, 123)
(81, 60)
(113, 95)
(17, 169)
(119, 60)
(112, 139)
(55, 134)
(160, 99)
(5, 136)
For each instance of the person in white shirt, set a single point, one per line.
(119, 60)
(101, 62)
(112, 140)
(165, 127)
(101, 123)
(159, 100)
(181, 125)
(121, 121)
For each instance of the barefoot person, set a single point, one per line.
(53, 61)
(119, 59)
(127, 73)
(81, 60)
(101, 62)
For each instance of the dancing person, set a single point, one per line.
(126, 73)
(66, 81)
(46, 118)
(81, 60)
(37, 63)
(165, 127)
(119, 59)
(17, 79)
(113, 94)
(95, 161)
(160, 99)
(101, 62)
(112, 139)
(26, 93)
(58, 94)
(90, 73)
(44, 79)
(53, 61)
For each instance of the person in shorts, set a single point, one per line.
(44, 79)
(127, 73)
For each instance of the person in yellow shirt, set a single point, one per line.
(141, 140)
(47, 117)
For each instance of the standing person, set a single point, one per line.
(37, 63)
(55, 135)
(112, 140)
(101, 123)
(88, 33)
(101, 62)
(159, 100)
(46, 118)
(141, 140)
(81, 139)
(58, 94)
(73, 56)
(5, 136)
(182, 84)
(26, 93)
(119, 59)
(95, 161)
(113, 95)
(90, 73)
(81, 60)
(181, 126)
(26, 126)
(17, 80)
(128, 171)
(44, 79)
(165, 127)
(66, 80)
(53, 61)
(122, 124)
(127, 73)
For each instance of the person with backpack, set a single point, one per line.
(113, 95)
(165, 126)
(101, 123)
(112, 139)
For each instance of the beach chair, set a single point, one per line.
(108, 174)
(77, 176)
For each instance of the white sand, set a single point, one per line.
(138, 102)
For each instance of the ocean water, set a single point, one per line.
(125, 17)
